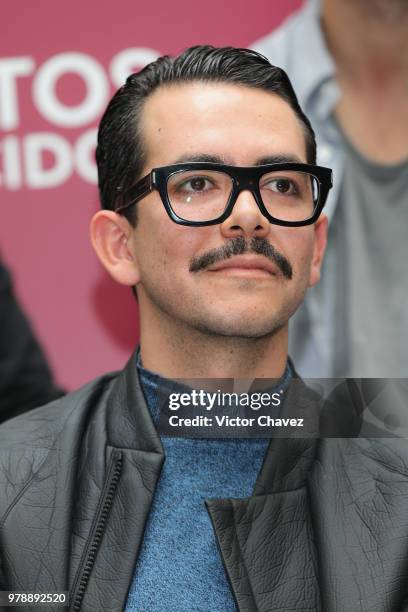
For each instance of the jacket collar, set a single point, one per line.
(129, 422)
(288, 459)
(130, 426)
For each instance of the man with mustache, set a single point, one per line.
(211, 211)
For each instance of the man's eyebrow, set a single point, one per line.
(216, 159)
(200, 157)
(279, 159)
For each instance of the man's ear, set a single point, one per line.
(111, 238)
(320, 240)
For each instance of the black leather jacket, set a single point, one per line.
(326, 528)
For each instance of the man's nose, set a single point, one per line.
(245, 219)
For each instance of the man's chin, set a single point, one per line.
(243, 328)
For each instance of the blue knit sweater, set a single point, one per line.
(179, 567)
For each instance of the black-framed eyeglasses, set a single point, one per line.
(204, 193)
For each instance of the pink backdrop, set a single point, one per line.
(59, 63)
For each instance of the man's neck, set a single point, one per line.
(176, 351)
(369, 45)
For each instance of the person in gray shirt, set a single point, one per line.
(348, 61)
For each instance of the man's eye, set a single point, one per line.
(196, 183)
(281, 185)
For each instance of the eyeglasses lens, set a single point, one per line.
(289, 195)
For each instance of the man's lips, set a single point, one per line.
(245, 265)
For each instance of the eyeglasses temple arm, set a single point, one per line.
(136, 193)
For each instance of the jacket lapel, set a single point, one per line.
(327, 527)
(122, 426)
(266, 541)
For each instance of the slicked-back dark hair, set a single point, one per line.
(120, 155)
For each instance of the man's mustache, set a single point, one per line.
(239, 246)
